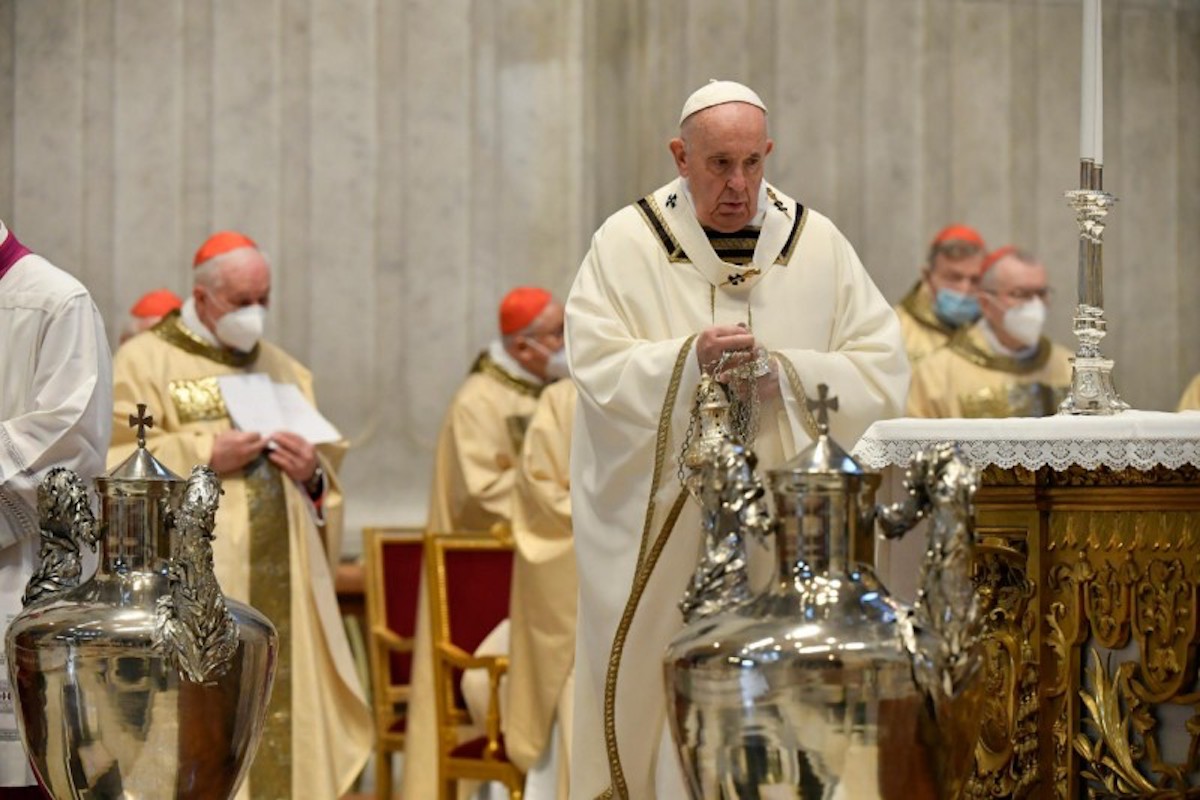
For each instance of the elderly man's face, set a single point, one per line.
(245, 280)
(721, 152)
(1014, 283)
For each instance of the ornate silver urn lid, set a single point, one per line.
(824, 456)
(141, 466)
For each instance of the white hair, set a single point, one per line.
(208, 273)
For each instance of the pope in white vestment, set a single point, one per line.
(55, 406)
(656, 297)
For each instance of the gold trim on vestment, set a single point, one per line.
(963, 343)
(649, 209)
(487, 366)
(793, 377)
(653, 215)
(172, 330)
(923, 312)
(197, 400)
(270, 592)
(641, 573)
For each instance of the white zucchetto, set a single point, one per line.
(716, 92)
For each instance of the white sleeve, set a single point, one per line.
(69, 420)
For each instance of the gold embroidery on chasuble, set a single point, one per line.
(270, 593)
(963, 344)
(516, 424)
(172, 330)
(197, 400)
(1013, 400)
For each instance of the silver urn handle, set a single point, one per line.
(733, 506)
(193, 627)
(943, 627)
(66, 522)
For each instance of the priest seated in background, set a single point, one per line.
(943, 300)
(278, 525)
(481, 434)
(474, 470)
(1002, 366)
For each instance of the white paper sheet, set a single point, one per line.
(256, 403)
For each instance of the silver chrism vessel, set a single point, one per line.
(143, 681)
(822, 686)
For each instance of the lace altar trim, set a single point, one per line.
(1119, 442)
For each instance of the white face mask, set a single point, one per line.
(556, 361)
(242, 328)
(1025, 322)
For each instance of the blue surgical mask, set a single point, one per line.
(955, 308)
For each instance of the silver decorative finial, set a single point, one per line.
(822, 406)
(141, 421)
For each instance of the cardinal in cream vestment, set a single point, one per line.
(943, 300)
(663, 289)
(1002, 366)
(276, 540)
(475, 466)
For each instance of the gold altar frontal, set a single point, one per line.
(1089, 581)
(1088, 576)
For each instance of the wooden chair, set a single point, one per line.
(393, 567)
(469, 577)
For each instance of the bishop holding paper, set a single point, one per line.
(278, 527)
(714, 271)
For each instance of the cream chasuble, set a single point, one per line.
(478, 445)
(544, 589)
(650, 282)
(922, 330)
(267, 552)
(968, 378)
(55, 406)
(473, 471)
(1191, 396)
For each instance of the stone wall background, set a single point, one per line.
(406, 161)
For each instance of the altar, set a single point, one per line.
(1088, 562)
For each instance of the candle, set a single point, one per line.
(1087, 82)
(1098, 73)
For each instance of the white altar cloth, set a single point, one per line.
(1139, 439)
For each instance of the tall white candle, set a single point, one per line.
(1087, 80)
(1098, 116)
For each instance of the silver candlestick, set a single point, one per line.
(1092, 390)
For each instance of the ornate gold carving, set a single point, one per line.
(1006, 753)
(1111, 753)
(197, 400)
(1165, 621)
(1077, 477)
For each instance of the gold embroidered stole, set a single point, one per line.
(270, 593)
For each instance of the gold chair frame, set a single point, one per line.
(382, 643)
(492, 766)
